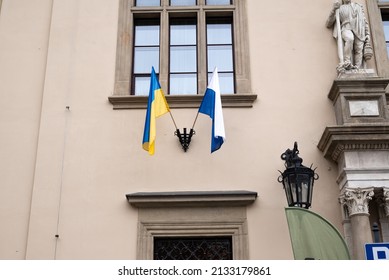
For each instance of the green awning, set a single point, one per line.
(313, 237)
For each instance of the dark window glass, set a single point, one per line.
(183, 56)
(146, 54)
(220, 52)
(193, 248)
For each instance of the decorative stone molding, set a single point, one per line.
(357, 146)
(337, 139)
(192, 213)
(191, 199)
(357, 200)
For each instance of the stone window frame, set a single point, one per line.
(374, 8)
(122, 98)
(192, 214)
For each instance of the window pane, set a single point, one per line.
(183, 56)
(226, 81)
(183, 59)
(182, 2)
(142, 85)
(182, 35)
(183, 84)
(148, 3)
(145, 58)
(218, 2)
(386, 30)
(220, 57)
(219, 34)
(146, 35)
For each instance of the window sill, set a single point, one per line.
(181, 101)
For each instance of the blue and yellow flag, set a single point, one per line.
(156, 107)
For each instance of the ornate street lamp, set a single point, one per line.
(297, 179)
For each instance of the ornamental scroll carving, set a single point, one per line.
(357, 200)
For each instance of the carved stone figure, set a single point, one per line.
(348, 19)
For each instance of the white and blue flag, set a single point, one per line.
(212, 106)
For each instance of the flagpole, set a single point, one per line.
(195, 120)
(173, 120)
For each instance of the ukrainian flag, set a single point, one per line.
(156, 107)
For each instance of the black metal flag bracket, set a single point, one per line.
(185, 137)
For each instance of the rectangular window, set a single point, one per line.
(378, 17)
(385, 22)
(220, 52)
(183, 2)
(183, 56)
(147, 3)
(193, 248)
(146, 53)
(184, 40)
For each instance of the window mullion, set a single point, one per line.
(202, 52)
(164, 50)
(164, 47)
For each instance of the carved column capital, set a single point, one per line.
(357, 200)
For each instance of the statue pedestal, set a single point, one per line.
(357, 74)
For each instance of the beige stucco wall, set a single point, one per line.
(73, 167)
(24, 31)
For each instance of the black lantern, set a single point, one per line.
(297, 179)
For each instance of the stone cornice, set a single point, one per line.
(337, 139)
(191, 199)
(370, 85)
(182, 101)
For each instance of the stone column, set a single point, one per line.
(385, 201)
(384, 214)
(357, 202)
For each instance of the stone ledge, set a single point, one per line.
(365, 86)
(336, 139)
(181, 101)
(191, 199)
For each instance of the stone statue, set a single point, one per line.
(354, 48)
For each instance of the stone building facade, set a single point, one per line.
(75, 182)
